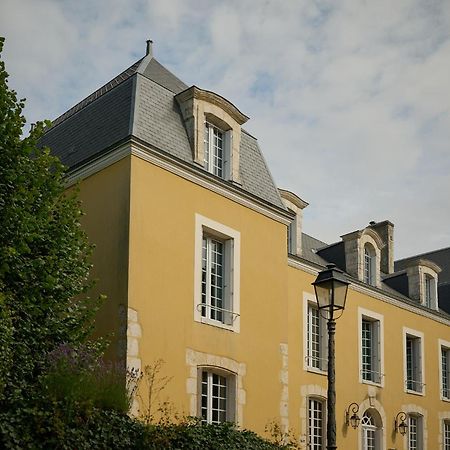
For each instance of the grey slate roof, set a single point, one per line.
(309, 247)
(140, 103)
(440, 257)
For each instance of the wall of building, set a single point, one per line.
(161, 291)
(105, 201)
(389, 398)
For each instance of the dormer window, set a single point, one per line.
(369, 264)
(213, 126)
(214, 150)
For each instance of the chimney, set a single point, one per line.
(149, 49)
(386, 231)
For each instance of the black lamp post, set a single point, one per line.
(331, 293)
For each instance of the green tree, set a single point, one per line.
(44, 253)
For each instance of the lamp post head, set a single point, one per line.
(331, 289)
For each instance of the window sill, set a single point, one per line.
(316, 371)
(379, 384)
(445, 399)
(217, 324)
(420, 394)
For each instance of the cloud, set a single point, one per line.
(349, 99)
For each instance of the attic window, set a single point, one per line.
(215, 150)
(369, 264)
(430, 289)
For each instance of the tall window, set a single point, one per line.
(446, 435)
(214, 150)
(216, 397)
(429, 294)
(216, 274)
(415, 439)
(445, 372)
(316, 339)
(213, 277)
(370, 350)
(370, 435)
(414, 364)
(316, 424)
(369, 265)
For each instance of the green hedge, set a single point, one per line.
(46, 427)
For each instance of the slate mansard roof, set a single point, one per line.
(140, 103)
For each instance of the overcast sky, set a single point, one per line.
(349, 99)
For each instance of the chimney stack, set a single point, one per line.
(149, 50)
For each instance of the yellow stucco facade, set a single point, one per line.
(142, 219)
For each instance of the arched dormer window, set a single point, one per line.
(213, 125)
(369, 265)
(363, 255)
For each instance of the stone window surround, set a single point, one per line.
(354, 252)
(372, 404)
(306, 392)
(307, 300)
(416, 271)
(418, 335)
(197, 360)
(212, 227)
(198, 106)
(442, 344)
(443, 417)
(375, 317)
(296, 205)
(418, 411)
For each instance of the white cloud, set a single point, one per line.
(349, 99)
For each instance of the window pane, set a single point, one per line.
(315, 424)
(445, 372)
(314, 345)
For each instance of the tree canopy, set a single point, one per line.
(44, 253)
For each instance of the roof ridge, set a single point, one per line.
(116, 81)
(422, 254)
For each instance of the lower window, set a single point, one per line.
(415, 439)
(446, 435)
(316, 424)
(217, 397)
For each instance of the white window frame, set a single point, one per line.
(205, 227)
(415, 429)
(377, 321)
(369, 430)
(419, 363)
(429, 290)
(444, 373)
(316, 432)
(309, 301)
(370, 261)
(228, 383)
(222, 170)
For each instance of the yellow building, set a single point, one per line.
(190, 233)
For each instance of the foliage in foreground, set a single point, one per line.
(44, 253)
(107, 429)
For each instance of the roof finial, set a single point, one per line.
(149, 50)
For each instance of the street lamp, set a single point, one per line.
(331, 292)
